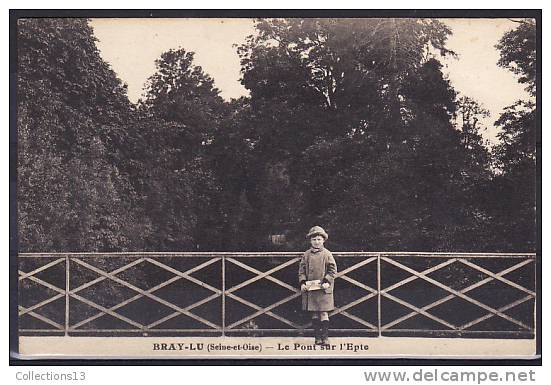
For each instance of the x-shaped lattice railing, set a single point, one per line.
(146, 293)
(295, 293)
(368, 258)
(104, 275)
(60, 293)
(258, 276)
(372, 293)
(457, 293)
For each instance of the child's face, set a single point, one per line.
(317, 241)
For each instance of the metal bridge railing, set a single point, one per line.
(393, 294)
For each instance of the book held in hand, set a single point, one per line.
(313, 285)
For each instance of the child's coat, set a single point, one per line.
(317, 264)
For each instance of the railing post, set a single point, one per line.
(223, 295)
(379, 293)
(67, 295)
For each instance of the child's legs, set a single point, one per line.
(321, 315)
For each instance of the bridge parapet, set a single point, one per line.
(255, 294)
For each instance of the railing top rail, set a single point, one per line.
(214, 254)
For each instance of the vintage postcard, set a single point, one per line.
(292, 187)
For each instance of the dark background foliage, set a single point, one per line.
(350, 124)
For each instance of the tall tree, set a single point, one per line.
(181, 114)
(70, 194)
(365, 131)
(514, 187)
(517, 49)
(180, 91)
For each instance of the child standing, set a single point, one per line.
(317, 263)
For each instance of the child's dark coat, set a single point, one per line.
(317, 264)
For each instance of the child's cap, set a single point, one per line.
(317, 230)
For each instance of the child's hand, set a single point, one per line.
(303, 287)
(325, 285)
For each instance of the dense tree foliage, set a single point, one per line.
(181, 92)
(518, 53)
(350, 124)
(365, 141)
(179, 117)
(70, 106)
(514, 208)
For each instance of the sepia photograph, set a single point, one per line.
(277, 187)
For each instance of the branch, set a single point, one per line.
(519, 21)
